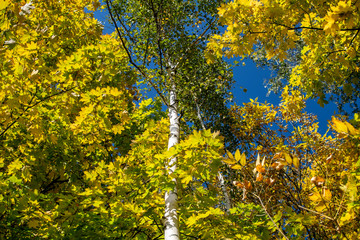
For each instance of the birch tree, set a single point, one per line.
(164, 41)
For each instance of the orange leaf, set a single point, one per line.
(248, 185)
(318, 181)
(238, 184)
(260, 168)
(259, 177)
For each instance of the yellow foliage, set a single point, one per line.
(327, 30)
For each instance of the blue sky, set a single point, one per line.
(252, 78)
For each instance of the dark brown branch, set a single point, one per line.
(51, 185)
(124, 27)
(314, 28)
(129, 55)
(31, 106)
(158, 29)
(353, 38)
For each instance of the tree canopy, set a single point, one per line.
(86, 153)
(323, 34)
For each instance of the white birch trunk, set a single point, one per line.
(171, 220)
(225, 192)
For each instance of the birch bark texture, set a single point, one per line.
(171, 228)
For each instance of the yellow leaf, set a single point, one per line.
(347, 217)
(320, 206)
(288, 158)
(296, 162)
(186, 179)
(326, 194)
(3, 4)
(31, 46)
(339, 126)
(243, 159)
(97, 203)
(315, 197)
(117, 129)
(191, 220)
(331, 27)
(229, 161)
(351, 129)
(236, 166)
(230, 155)
(237, 155)
(14, 166)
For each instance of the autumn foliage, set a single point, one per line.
(84, 151)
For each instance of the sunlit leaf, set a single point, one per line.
(243, 159)
(236, 166)
(237, 155)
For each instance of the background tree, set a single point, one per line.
(66, 94)
(324, 34)
(305, 182)
(313, 47)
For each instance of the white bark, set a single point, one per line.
(225, 192)
(171, 220)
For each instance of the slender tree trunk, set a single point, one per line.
(225, 192)
(171, 219)
(220, 176)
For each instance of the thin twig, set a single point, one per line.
(183, 57)
(316, 213)
(272, 220)
(130, 58)
(31, 106)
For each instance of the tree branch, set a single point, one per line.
(31, 106)
(272, 220)
(108, 3)
(183, 56)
